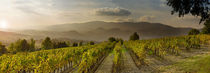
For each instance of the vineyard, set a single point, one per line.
(56, 60)
(160, 48)
(88, 58)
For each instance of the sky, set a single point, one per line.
(37, 13)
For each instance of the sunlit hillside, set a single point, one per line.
(104, 36)
(156, 55)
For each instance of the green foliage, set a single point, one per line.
(75, 44)
(117, 57)
(134, 36)
(87, 57)
(80, 43)
(201, 65)
(119, 40)
(2, 49)
(22, 46)
(60, 45)
(195, 64)
(92, 57)
(47, 44)
(47, 61)
(112, 39)
(12, 48)
(194, 7)
(163, 46)
(192, 42)
(91, 43)
(194, 32)
(32, 45)
(206, 29)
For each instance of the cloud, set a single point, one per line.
(146, 18)
(35, 7)
(47, 12)
(28, 10)
(112, 12)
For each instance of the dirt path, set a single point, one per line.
(73, 70)
(129, 65)
(106, 65)
(69, 70)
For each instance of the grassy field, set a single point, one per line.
(194, 64)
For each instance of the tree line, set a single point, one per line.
(23, 45)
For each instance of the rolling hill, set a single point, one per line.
(9, 37)
(99, 30)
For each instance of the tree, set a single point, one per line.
(2, 49)
(91, 43)
(194, 32)
(23, 45)
(134, 37)
(206, 29)
(32, 45)
(75, 44)
(193, 7)
(60, 45)
(119, 40)
(112, 39)
(47, 44)
(19, 46)
(12, 49)
(80, 43)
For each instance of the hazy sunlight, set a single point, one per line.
(104, 36)
(3, 24)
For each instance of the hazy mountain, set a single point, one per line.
(8, 37)
(109, 25)
(53, 34)
(99, 30)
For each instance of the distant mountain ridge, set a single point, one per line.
(106, 25)
(97, 31)
(8, 37)
(100, 30)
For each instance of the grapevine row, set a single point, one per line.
(117, 62)
(91, 59)
(46, 61)
(163, 46)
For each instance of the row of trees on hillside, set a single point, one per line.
(133, 37)
(22, 45)
(49, 44)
